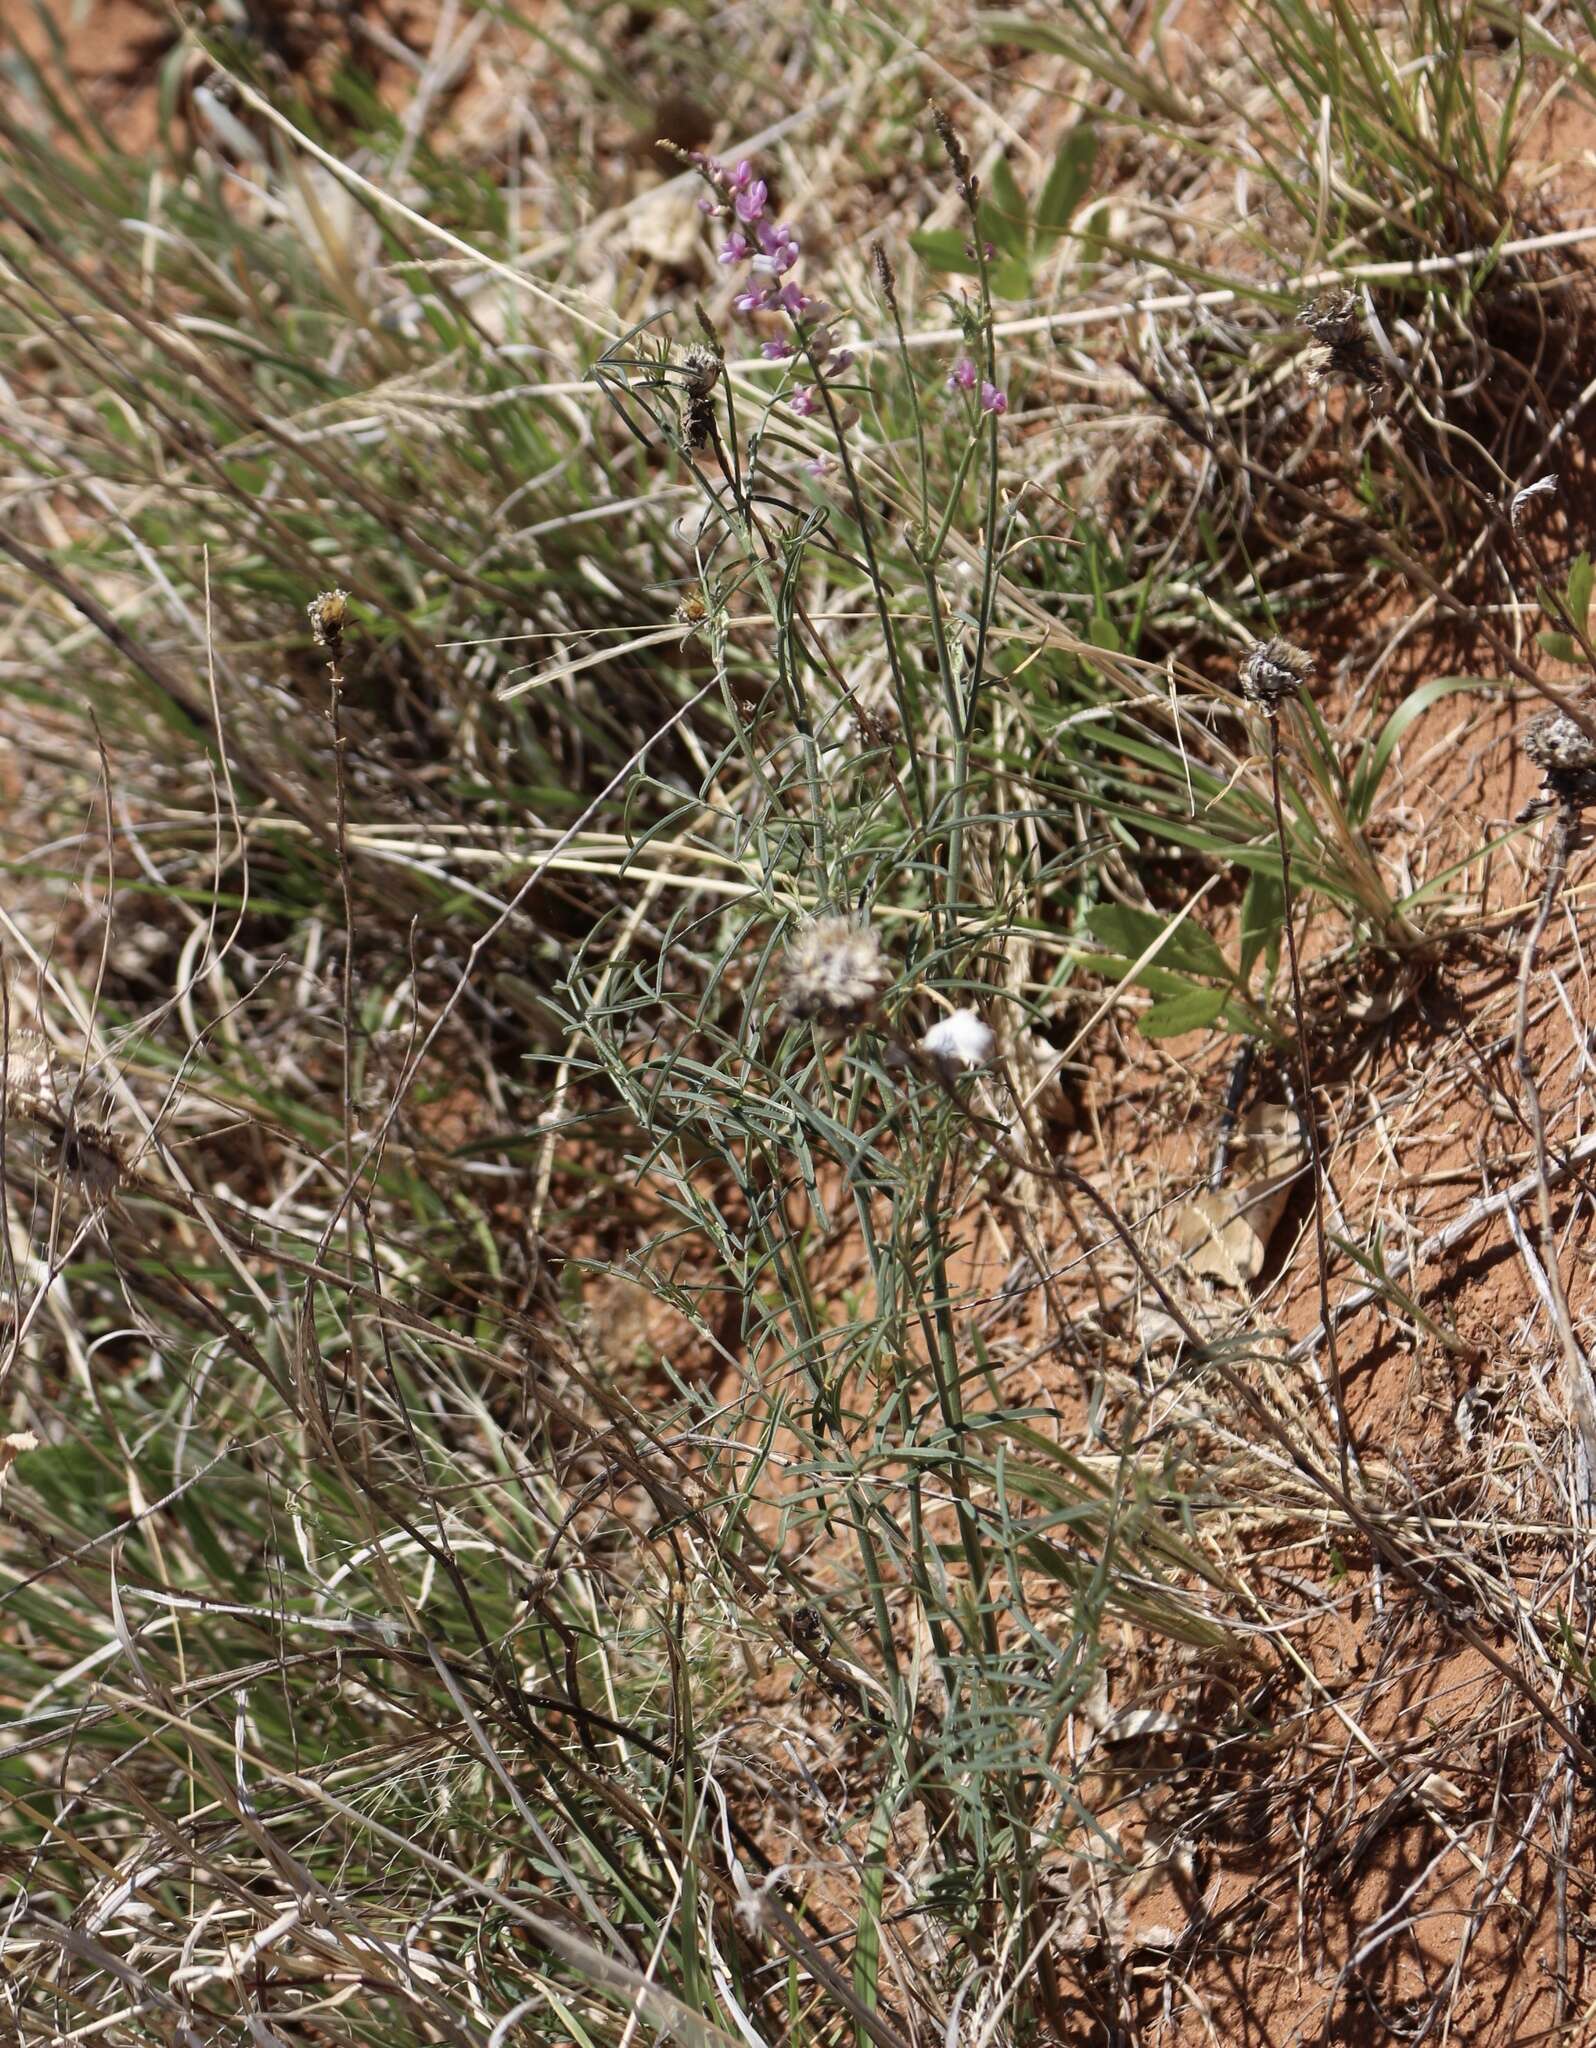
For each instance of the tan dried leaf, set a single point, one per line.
(1224, 1232)
(667, 229)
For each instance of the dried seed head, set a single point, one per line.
(953, 149)
(1566, 756)
(1554, 741)
(1334, 319)
(26, 1076)
(886, 276)
(92, 1154)
(328, 615)
(1345, 353)
(1272, 672)
(833, 971)
(701, 371)
(692, 611)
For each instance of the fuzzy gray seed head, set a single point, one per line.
(1554, 741)
(1272, 672)
(834, 972)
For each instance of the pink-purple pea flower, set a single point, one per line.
(804, 401)
(962, 377)
(993, 400)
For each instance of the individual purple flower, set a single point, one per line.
(776, 351)
(750, 204)
(778, 253)
(741, 178)
(750, 300)
(820, 465)
(708, 206)
(993, 400)
(804, 402)
(842, 359)
(736, 248)
(790, 300)
(962, 376)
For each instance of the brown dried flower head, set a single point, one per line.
(328, 615)
(1272, 672)
(701, 371)
(1334, 319)
(1344, 353)
(1566, 756)
(833, 971)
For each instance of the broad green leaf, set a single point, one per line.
(1557, 645)
(1157, 981)
(1011, 279)
(1196, 1010)
(1263, 907)
(1002, 213)
(1135, 932)
(1581, 578)
(945, 249)
(1068, 180)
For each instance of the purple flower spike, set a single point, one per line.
(962, 376)
(776, 351)
(804, 402)
(993, 400)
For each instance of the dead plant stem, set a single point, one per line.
(1310, 1117)
(1582, 1403)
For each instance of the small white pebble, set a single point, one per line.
(962, 1040)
